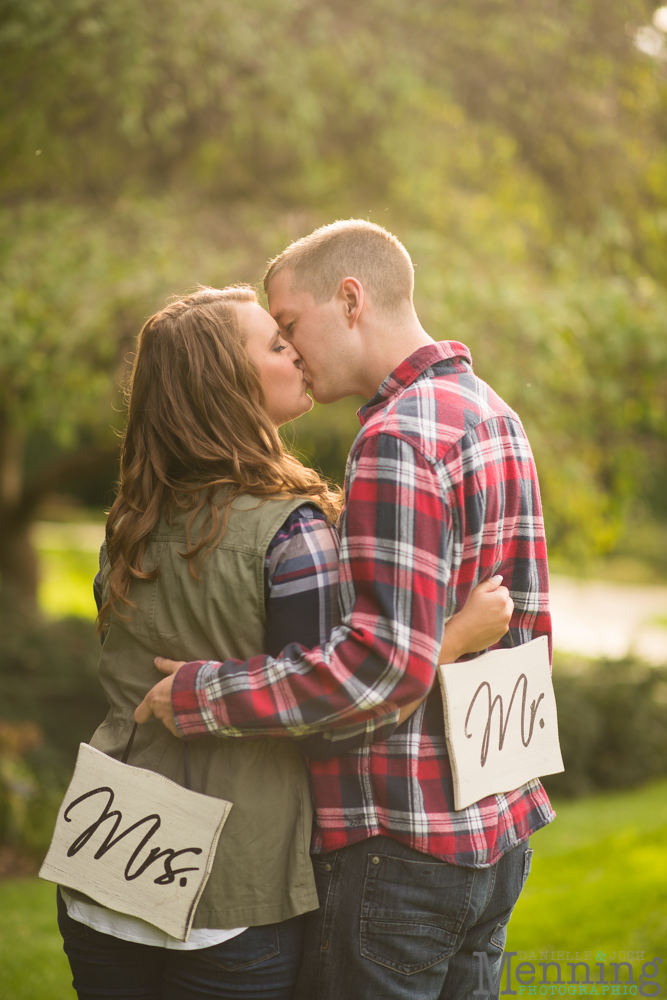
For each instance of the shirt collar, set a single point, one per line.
(409, 371)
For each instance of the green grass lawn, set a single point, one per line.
(32, 963)
(598, 884)
(599, 881)
(68, 561)
(66, 583)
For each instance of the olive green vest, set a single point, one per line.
(262, 871)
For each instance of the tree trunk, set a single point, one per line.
(19, 500)
(18, 561)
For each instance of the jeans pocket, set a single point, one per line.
(255, 945)
(527, 862)
(499, 935)
(412, 912)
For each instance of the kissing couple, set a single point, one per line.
(300, 629)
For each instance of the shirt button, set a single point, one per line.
(327, 868)
(376, 860)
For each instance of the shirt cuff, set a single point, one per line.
(189, 702)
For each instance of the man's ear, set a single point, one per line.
(351, 291)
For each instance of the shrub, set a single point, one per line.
(50, 700)
(612, 719)
(48, 675)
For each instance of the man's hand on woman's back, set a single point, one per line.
(158, 700)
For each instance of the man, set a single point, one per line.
(441, 492)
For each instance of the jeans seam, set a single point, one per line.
(323, 953)
(492, 935)
(491, 887)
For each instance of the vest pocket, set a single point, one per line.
(412, 912)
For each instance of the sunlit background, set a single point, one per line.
(519, 150)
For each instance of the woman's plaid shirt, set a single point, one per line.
(441, 492)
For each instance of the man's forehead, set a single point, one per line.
(284, 300)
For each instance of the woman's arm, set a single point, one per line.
(483, 621)
(301, 593)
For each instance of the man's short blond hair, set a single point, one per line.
(349, 248)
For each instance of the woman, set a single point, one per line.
(220, 544)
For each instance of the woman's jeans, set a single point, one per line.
(260, 964)
(395, 924)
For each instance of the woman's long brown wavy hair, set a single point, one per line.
(196, 423)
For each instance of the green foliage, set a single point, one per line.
(612, 721)
(51, 701)
(584, 362)
(48, 675)
(76, 281)
(30, 789)
(517, 149)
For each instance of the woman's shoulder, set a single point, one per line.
(306, 529)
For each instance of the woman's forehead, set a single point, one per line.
(256, 321)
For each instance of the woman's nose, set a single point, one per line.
(294, 356)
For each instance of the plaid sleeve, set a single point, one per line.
(301, 585)
(394, 559)
(301, 582)
(98, 585)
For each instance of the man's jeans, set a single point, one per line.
(395, 924)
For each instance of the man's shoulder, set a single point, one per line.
(439, 411)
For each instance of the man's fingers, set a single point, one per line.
(144, 711)
(168, 666)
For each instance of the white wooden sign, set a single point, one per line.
(500, 720)
(135, 841)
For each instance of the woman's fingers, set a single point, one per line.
(481, 623)
(488, 586)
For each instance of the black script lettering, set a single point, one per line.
(171, 873)
(504, 720)
(168, 854)
(110, 841)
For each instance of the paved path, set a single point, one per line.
(597, 618)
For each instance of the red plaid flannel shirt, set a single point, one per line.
(441, 492)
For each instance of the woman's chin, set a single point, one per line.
(305, 407)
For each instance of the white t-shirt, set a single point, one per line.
(119, 925)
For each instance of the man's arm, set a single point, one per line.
(394, 567)
(301, 583)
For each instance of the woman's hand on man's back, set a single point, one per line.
(482, 622)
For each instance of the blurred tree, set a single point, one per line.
(517, 147)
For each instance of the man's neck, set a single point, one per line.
(387, 350)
